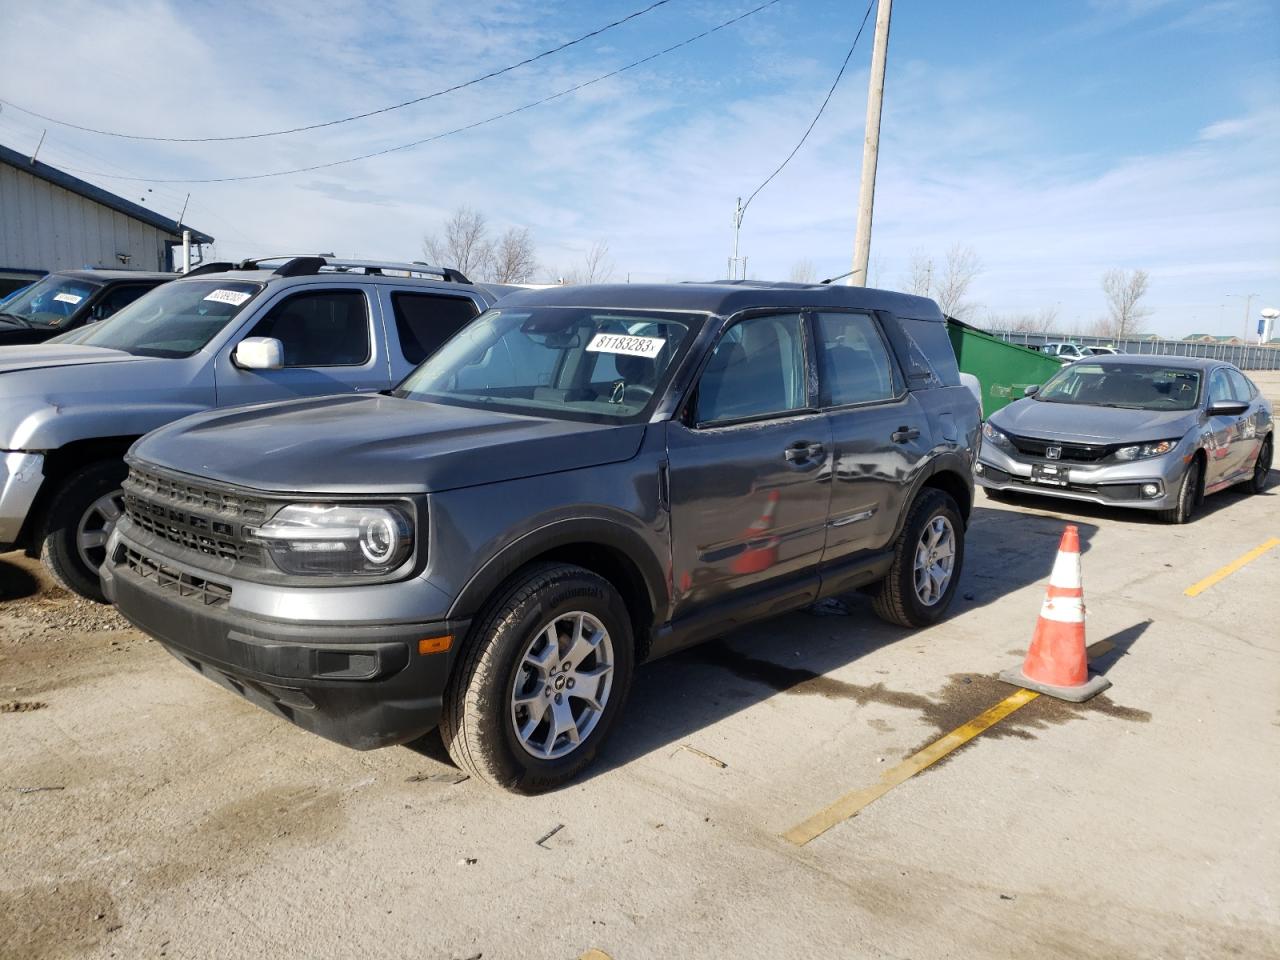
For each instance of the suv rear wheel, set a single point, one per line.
(82, 513)
(542, 681)
(927, 560)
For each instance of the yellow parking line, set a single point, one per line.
(1230, 568)
(851, 804)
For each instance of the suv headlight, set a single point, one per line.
(996, 437)
(1141, 451)
(329, 539)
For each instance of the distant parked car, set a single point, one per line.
(1064, 351)
(1154, 433)
(63, 301)
(1102, 351)
(312, 326)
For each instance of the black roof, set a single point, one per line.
(726, 297)
(130, 209)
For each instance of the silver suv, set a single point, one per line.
(266, 330)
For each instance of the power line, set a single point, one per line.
(817, 117)
(357, 116)
(448, 133)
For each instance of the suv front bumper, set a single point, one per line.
(1117, 484)
(21, 475)
(363, 685)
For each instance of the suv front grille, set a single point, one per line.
(1071, 452)
(185, 585)
(196, 517)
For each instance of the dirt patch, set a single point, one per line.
(964, 697)
(50, 921)
(21, 706)
(297, 812)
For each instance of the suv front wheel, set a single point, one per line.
(81, 516)
(927, 559)
(542, 681)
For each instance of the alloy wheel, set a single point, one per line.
(935, 560)
(562, 685)
(95, 527)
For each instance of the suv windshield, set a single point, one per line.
(1126, 385)
(573, 362)
(174, 320)
(51, 301)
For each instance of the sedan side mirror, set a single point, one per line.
(1227, 408)
(259, 353)
(1031, 391)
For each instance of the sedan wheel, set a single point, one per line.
(1262, 469)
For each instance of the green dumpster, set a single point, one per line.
(1004, 369)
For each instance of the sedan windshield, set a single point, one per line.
(174, 320)
(1127, 385)
(572, 362)
(50, 302)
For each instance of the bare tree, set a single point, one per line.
(963, 267)
(596, 267)
(512, 258)
(1123, 290)
(919, 278)
(802, 271)
(465, 245)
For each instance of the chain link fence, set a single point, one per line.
(1246, 356)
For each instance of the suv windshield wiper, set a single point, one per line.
(22, 320)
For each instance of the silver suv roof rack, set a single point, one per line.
(301, 266)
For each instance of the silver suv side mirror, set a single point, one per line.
(259, 353)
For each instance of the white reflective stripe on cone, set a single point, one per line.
(1066, 570)
(1063, 610)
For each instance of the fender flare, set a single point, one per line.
(955, 462)
(604, 532)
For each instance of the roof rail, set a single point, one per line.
(213, 266)
(315, 263)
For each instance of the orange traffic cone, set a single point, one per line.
(1057, 663)
(762, 550)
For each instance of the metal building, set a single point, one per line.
(50, 220)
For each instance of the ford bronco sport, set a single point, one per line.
(581, 480)
(214, 338)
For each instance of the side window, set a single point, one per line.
(119, 297)
(853, 362)
(424, 321)
(1240, 386)
(1220, 386)
(323, 328)
(756, 369)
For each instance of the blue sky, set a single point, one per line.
(1057, 139)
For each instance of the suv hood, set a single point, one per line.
(378, 445)
(13, 359)
(1072, 421)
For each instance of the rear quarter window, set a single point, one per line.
(930, 361)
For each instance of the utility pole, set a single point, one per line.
(871, 147)
(1248, 302)
(737, 229)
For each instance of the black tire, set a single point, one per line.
(477, 724)
(59, 548)
(1262, 469)
(1190, 495)
(895, 599)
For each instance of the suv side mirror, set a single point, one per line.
(1031, 390)
(259, 353)
(1227, 408)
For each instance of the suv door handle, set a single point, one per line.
(802, 451)
(904, 434)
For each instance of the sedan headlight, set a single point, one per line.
(338, 540)
(1141, 451)
(996, 437)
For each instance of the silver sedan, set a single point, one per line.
(1154, 433)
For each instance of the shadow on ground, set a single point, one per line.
(16, 583)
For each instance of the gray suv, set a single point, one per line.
(581, 480)
(215, 338)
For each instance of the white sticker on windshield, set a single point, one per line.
(233, 297)
(67, 298)
(630, 346)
